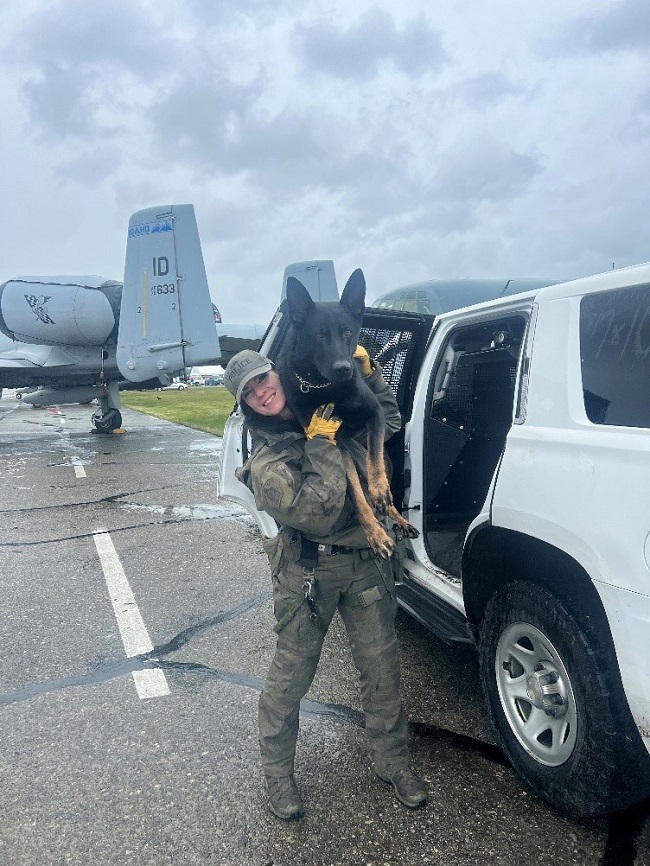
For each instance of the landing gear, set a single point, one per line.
(107, 422)
(108, 417)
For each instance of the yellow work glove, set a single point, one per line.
(324, 424)
(361, 355)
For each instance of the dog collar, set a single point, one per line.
(305, 386)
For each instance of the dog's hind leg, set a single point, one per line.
(409, 530)
(378, 539)
(378, 486)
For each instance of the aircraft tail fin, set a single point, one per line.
(317, 277)
(166, 316)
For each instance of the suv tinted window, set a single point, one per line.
(615, 355)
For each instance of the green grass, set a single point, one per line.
(201, 408)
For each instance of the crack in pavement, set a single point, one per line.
(624, 827)
(113, 498)
(144, 661)
(170, 515)
(244, 519)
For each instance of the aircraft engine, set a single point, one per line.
(38, 310)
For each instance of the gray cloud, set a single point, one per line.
(486, 172)
(90, 169)
(485, 91)
(57, 101)
(79, 57)
(227, 12)
(120, 34)
(350, 135)
(637, 129)
(202, 119)
(624, 26)
(356, 52)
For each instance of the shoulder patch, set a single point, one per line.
(271, 494)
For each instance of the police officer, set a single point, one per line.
(320, 563)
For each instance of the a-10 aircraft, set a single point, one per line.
(76, 338)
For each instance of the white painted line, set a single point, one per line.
(150, 683)
(135, 637)
(79, 471)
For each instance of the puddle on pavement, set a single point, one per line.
(204, 511)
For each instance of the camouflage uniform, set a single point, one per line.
(302, 484)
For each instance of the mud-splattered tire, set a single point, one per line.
(112, 420)
(556, 702)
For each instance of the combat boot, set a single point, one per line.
(409, 787)
(284, 798)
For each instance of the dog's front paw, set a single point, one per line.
(410, 531)
(380, 542)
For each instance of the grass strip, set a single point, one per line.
(201, 408)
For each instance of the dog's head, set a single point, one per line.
(327, 333)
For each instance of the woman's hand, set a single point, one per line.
(324, 424)
(364, 358)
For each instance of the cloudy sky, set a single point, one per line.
(416, 140)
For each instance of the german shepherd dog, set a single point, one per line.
(316, 367)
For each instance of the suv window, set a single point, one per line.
(615, 356)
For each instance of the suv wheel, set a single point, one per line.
(550, 700)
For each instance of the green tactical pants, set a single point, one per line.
(354, 585)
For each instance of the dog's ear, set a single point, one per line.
(354, 294)
(299, 301)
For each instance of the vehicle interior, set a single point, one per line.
(471, 396)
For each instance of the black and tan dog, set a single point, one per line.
(316, 367)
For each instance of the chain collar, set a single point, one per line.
(306, 386)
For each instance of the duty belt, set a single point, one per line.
(335, 549)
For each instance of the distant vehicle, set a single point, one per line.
(176, 385)
(213, 380)
(440, 296)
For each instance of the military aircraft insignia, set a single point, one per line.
(38, 307)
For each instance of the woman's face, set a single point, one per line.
(265, 395)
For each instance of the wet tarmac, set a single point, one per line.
(100, 765)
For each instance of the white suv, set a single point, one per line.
(525, 464)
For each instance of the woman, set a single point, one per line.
(320, 563)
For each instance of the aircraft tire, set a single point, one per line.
(109, 421)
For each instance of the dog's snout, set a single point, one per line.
(342, 370)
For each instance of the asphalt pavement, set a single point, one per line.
(136, 633)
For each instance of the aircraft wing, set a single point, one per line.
(233, 338)
(36, 356)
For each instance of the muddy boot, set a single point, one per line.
(284, 799)
(409, 788)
